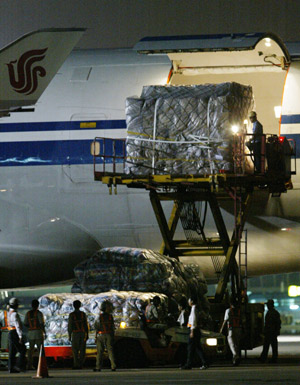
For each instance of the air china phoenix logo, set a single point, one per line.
(24, 73)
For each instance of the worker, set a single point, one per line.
(78, 331)
(256, 142)
(153, 314)
(271, 332)
(34, 321)
(4, 327)
(194, 343)
(15, 339)
(154, 322)
(234, 325)
(183, 312)
(104, 327)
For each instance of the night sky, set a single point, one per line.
(121, 23)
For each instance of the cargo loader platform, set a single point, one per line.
(189, 191)
(192, 195)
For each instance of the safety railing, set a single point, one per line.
(109, 154)
(251, 154)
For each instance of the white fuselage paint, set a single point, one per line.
(53, 214)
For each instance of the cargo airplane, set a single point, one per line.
(53, 213)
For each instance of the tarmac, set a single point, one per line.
(246, 373)
(250, 371)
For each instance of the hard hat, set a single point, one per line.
(13, 301)
(252, 114)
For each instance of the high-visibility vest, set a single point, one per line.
(78, 325)
(5, 326)
(106, 324)
(234, 320)
(33, 321)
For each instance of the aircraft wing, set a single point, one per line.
(28, 65)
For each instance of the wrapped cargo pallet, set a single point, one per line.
(124, 268)
(184, 129)
(57, 308)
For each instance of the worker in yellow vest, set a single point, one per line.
(78, 330)
(34, 321)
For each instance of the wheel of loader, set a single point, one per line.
(129, 354)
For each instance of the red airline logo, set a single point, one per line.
(24, 77)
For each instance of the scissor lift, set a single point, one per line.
(237, 187)
(187, 191)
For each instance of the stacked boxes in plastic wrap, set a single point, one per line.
(129, 278)
(57, 308)
(184, 129)
(124, 268)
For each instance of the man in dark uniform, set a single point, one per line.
(272, 330)
(256, 142)
(78, 334)
(105, 335)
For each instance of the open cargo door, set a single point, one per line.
(259, 59)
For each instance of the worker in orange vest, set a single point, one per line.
(234, 325)
(4, 327)
(104, 327)
(15, 338)
(78, 330)
(34, 321)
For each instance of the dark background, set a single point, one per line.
(121, 23)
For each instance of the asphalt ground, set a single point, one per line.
(250, 371)
(246, 373)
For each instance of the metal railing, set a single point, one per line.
(109, 154)
(250, 154)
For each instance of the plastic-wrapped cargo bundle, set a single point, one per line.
(123, 268)
(195, 279)
(57, 308)
(184, 129)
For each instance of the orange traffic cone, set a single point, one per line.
(42, 370)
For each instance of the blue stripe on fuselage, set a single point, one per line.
(54, 152)
(58, 152)
(290, 119)
(60, 126)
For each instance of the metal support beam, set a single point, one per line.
(172, 225)
(216, 212)
(230, 265)
(163, 225)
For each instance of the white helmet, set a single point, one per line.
(13, 302)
